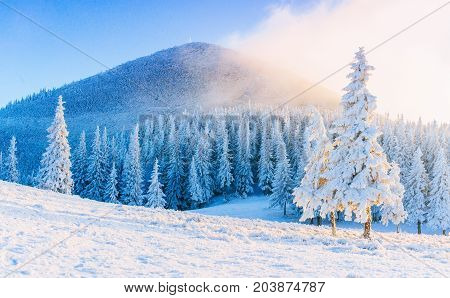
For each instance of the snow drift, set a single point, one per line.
(107, 240)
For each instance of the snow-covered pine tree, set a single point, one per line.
(121, 152)
(175, 170)
(195, 189)
(403, 150)
(160, 137)
(94, 189)
(416, 191)
(358, 171)
(439, 206)
(2, 167)
(155, 196)
(54, 172)
(132, 173)
(265, 164)
(187, 135)
(430, 148)
(282, 180)
(113, 152)
(12, 174)
(243, 176)
(111, 194)
(105, 158)
(80, 167)
(394, 210)
(146, 143)
(203, 167)
(164, 156)
(298, 154)
(307, 194)
(224, 175)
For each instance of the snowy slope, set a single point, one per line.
(119, 241)
(257, 207)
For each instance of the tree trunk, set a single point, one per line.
(419, 227)
(319, 220)
(368, 224)
(312, 221)
(285, 205)
(333, 223)
(444, 232)
(398, 228)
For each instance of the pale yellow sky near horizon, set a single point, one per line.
(412, 71)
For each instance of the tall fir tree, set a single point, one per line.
(54, 172)
(282, 181)
(111, 194)
(298, 159)
(132, 171)
(2, 167)
(155, 195)
(196, 192)
(175, 170)
(80, 167)
(105, 165)
(94, 189)
(358, 171)
(416, 191)
(202, 165)
(265, 165)
(224, 166)
(243, 177)
(12, 174)
(439, 206)
(307, 194)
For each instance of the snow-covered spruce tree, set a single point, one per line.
(121, 152)
(439, 206)
(54, 172)
(202, 158)
(430, 148)
(243, 176)
(175, 170)
(265, 164)
(307, 194)
(2, 167)
(155, 196)
(12, 174)
(94, 189)
(187, 135)
(358, 172)
(195, 189)
(80, 167)
(394, 210)
(160, 137)
(111, 194)
(224, 175)
(282, 183)
(164, 156)
(113, 152)
(132, 173)
(105, 158)
(416, 191)
(147, 144)
(298, 160)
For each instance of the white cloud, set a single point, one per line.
(412, 73)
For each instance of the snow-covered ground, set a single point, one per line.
(106, 240)
(257, 207)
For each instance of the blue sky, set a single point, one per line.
(111, 31)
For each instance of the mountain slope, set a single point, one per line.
(122, 241)
(186, 77)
